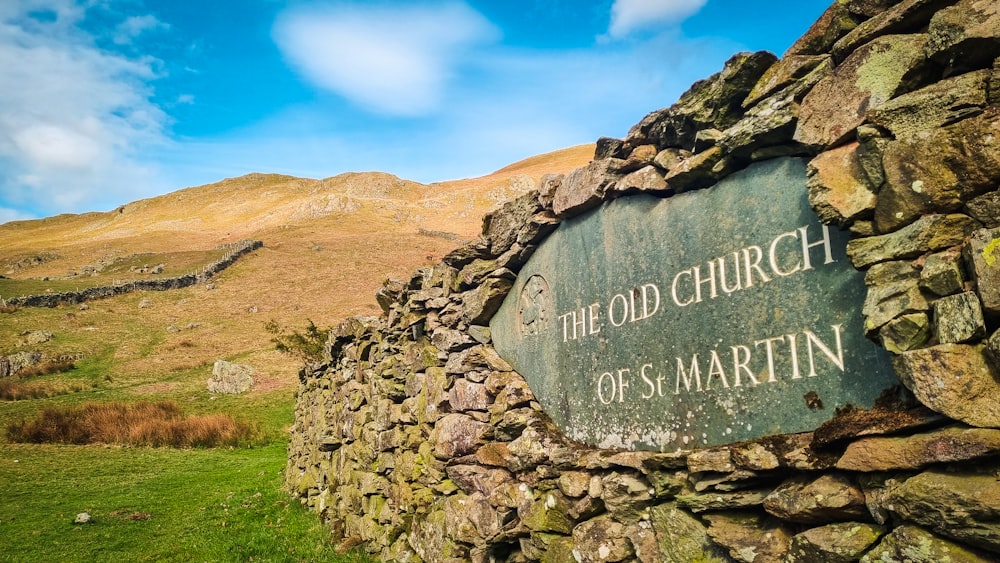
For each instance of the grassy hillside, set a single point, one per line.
(329, 244)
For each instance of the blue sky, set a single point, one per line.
(103, 102)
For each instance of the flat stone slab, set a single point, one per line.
(708, 318)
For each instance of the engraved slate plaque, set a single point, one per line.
(707, 318)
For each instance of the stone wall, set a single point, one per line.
(234, 252)
(416, 439)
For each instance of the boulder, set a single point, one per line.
(833, 24)
(942, 272)
(230, 378)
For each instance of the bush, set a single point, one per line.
(13, 390)
(307, 346)
(133, 424)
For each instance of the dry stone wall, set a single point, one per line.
(416, 439)
(234, 252)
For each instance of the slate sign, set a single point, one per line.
(703, 319)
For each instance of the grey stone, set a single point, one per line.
(748, 536)
(985, 208)
(698, 171)
(905, 332)
(582, 189)
(666, 128)
(647, 179)
(601, 539)
(838, 188)
(948, 445)
(449, 340)
(939, 169)
(468, 396)
(547, 189)
(954, 380)
(833, 24)
(722, 501)
(626, 496)
(993, 349)
(785, 72)
(828, 498)
(670, 158)
(929, 233)
(905, 16)
(964, 36)
(716, 102)
(83, 518)
(915, 545)
(230, 378)
(717, 460)
(843, 542)
(942, 272)
(937, 105)
(608, 147)
(480, 333)
(481, 303)
(870, 76)
(956, 503)
(769, 123)
(890, 301)
(958, 318)
(457, 435)
(683, 538)
(501, 227)
(982, 259)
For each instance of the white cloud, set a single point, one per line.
(134, 26)
(72, 116)
(628, 16)
(391, 60)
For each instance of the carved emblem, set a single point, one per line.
(534, 308)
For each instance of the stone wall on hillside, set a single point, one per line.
(416, 439)
(234, 252)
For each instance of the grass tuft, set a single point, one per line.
(47, 368)
(13, 390)
(131, 424)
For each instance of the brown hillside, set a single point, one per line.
(329, 244)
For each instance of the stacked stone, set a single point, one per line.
(418, 440)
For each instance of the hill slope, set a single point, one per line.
(329, 244)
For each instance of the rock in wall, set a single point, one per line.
(415, 438)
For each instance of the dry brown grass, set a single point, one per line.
(13, 390)
(133, 424)
(329, 245)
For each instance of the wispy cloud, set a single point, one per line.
(72, 116)
(134, 26)
(629, 16)
(394, 61)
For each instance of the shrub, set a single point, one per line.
(134, 424)
(13, 390)
(47, 368)
(307, 346)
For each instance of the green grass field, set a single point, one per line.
(153, 504)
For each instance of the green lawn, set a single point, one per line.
(153, 505)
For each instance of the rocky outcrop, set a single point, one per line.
(415, 438)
